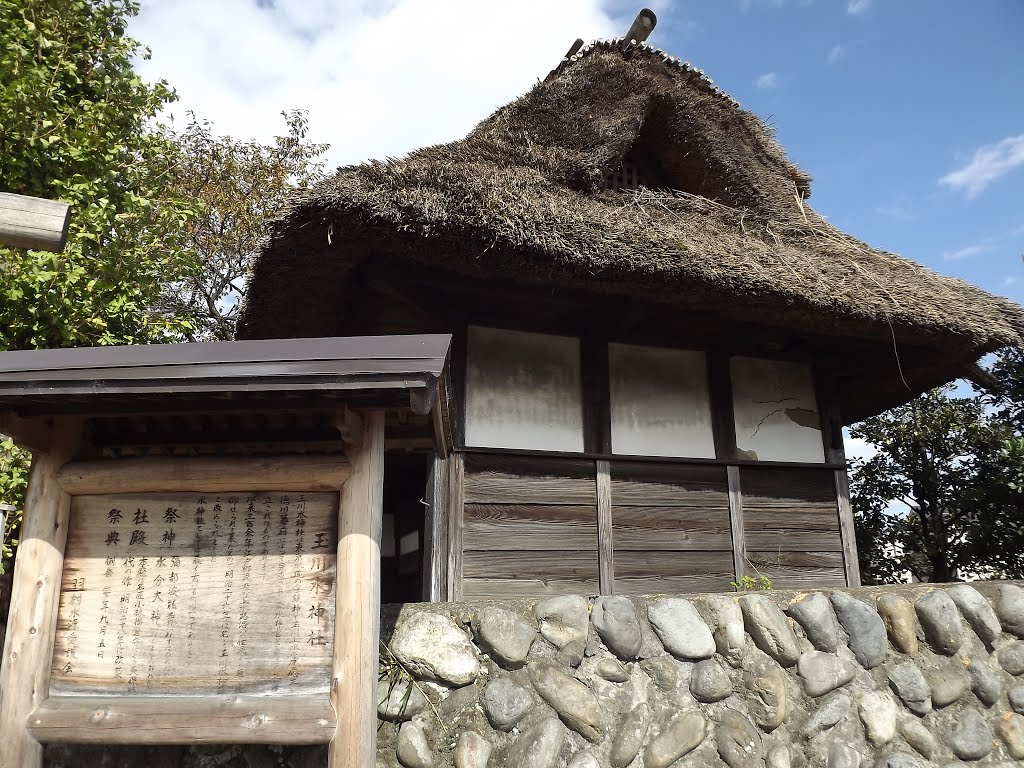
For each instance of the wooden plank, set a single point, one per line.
(184, 720)
(357, 629)
(605, 532)
(736, 523)
(779, 487)
(494, 487)
(788, 540)
(524, 528)
(541, 566)
(528, 588)
(851, 563)
(33, 222)
(456, 512)
(212, 474)
(678, 529)
(799, 570)
(34, 434)
(668, 485)
(810, 518)
(638, 573)
(180, 593)
(28, 648)
(435, 546)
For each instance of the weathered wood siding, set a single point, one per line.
(529, 527)
(670, 525)
(791, 526)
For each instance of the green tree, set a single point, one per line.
(241, 186)
(74, 125)
(939, 499)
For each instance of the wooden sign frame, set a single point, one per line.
(29, 717)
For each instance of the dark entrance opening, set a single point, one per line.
(402, 528)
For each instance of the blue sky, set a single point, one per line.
(909, 114)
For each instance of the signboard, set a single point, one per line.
(197, 593)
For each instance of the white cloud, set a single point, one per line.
(836, 53)
(987, 164)
(857, 7)
(379, 77)
(966, 252)
(767, 81)
(1009, 280)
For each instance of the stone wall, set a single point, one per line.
(893, 677)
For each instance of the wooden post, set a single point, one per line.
(847, 532)
(456, 517)
(32, 222)
(357, 619)
(25, 670)
(435, 546)
(739, 537)
(605, 539)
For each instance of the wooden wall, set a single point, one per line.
(670, 527)
(529, 527)
(791, 526)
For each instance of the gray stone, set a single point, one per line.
(709, 682)
(767, 626)
(412, 748)
(1010, 728)
(431, 646)
(823, 672)
(563, 619)
(1011, 658)
(738, 741)
(898, 617)
(814, 613)
(458, 699)
(505, 703)
(827, 715)
(583, 760)
(985, 681)
(630, 737)
(730, 638)
(908, 682)
(680, 628)
(537, 746)
(617, 625)
(574, 702)
(864, 627)
(472, 750)
(940, 621)
(971, 737)
(611, 670)
(918, 736)
(779, 757)
(766, 693)
(504, 635)
(680, 736)
(662, 671)
(572, 653)
(977, 610)
(948, 683)
(1016, 699)
(842, 755)
(1010, 608)
(878, 713)
(898, 760)
(399, 700)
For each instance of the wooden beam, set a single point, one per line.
(357, 617)
(720, 394)
(213, 474)
(739, 539)
(32, 222)
(435, 545)
(456, 516)
(34, 434)
(25, 670)
(183, 720)
(851, 563)
(605, 536)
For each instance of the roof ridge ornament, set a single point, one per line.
(640, 29)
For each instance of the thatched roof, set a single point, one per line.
(724, 229)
